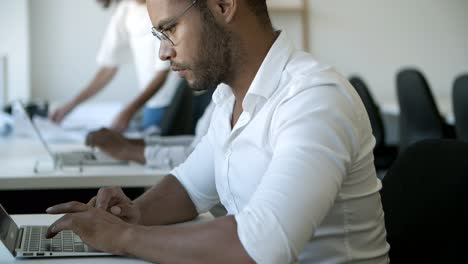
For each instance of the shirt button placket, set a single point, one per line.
(231, 201)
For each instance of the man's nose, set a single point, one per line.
(166, 51)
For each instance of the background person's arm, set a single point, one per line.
(103, 76)
(122, 121)
(116, 145)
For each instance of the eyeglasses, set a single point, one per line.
(161, 33)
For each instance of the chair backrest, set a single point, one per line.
(419, 117)
(424, 198)
(177, 119)
(460, 106)
(372, 109)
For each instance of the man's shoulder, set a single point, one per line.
(308, 81)
(304, 72)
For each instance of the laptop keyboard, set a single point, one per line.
(65, 241)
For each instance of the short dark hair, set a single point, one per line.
(258, 7)
(107, 3)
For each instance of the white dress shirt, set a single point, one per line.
(128, 39)
(297, 169)
(169, 151)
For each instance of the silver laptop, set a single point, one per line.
(30, 241)
(72, 158)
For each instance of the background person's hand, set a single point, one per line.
(60, 113)
(96, 227)
(116, 145)
(114, 200)
(110, 142)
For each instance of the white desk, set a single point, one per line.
(5, 257)
(18, 157)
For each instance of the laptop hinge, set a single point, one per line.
(19, 239)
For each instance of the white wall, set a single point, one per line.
(290, 23)
(14, 45)
(375, 38)
(65, 38)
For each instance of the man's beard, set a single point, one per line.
(214, 57)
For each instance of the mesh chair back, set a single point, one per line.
(372, 110)
(425, 203)
(419, 116)
(177, 119)
(460, 106)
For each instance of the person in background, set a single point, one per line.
(156, 152)
(289, 153)
(128, 39)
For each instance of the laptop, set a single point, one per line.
(30, 241)
(72, 158)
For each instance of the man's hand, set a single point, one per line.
(121, 122)
(111, 142)
(59, 114)
(113, 200)
(96, 227)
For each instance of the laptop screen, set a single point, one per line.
(22, 110)
(8, 230)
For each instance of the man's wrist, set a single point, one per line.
(137, 153)
(126, 239)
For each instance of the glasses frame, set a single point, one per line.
(161, 33)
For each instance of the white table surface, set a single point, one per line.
(18, 157)
(5, 257)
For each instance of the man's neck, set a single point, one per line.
(255, 49)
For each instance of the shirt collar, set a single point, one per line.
(267, 79)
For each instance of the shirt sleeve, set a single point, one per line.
(197, 175)
(168, 152)
(313, 140)
(167, 155)
(115, 48)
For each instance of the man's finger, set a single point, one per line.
(63, 223)
(116, 210)
(122, 210)
(104, 197)
(65, 208)
(92, 202)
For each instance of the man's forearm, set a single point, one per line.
(213, 242)
(166, 203)
(100, 80)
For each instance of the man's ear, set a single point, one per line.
(224, 10)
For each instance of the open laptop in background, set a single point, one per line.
(72, 158)
(30, 241)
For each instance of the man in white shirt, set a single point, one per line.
(288, 153)
(127, 40)
(162, 152)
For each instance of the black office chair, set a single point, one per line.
(460, 106)
(419, 117)
(384, 155)
(201, 100)
(177, 119)
(424, 198)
